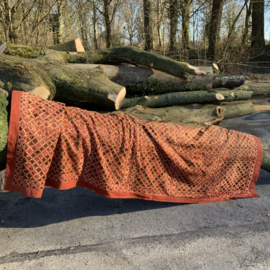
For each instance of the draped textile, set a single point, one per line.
(119, 156)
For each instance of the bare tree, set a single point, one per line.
(109, 10)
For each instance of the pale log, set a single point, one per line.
(178, 98)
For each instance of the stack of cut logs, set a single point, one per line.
(123, 79)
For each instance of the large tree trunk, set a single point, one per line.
(129, 55)
(214, 32)
(89, 86)
(257, 35)
(138, 80)
(148, 33)
(150, 80)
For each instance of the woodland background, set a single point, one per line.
(224, 31)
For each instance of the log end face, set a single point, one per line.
(120, 98)
(196, 70)
(41, 91)
(219, 96)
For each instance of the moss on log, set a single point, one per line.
(178, 98)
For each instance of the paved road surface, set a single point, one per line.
(78, 229)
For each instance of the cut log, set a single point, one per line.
(138, 79)
(191, 115)
(129, 55)
(178, 98)
(228, 82)
(50, 73)
(74, 45)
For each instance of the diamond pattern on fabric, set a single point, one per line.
(118, 155)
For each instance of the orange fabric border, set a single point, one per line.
(13, 131)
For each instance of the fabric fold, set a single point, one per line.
(119, 156)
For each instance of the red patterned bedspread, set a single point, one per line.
(119, 156)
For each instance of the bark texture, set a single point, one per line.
(178, 98)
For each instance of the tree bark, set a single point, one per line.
(148, 32)
(178, 98)
(257, 34)
(214, 32)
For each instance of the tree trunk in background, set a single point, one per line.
(185, 12)
(107, 23)
(214, 32)
(247, 24)
(257, 35)
(94, 21)
(148, 33)
(59, 38)
(173, 15)
(83, 26)
(159, 24)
